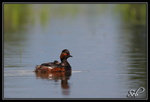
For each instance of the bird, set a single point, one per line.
(56, 66)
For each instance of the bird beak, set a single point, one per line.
(70, 56)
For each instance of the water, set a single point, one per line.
(109, 55)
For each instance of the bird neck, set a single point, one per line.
(65, 63)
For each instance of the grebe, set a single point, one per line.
(56, 66)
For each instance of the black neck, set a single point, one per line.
(65, 62)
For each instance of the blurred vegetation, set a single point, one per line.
(17, 16)
(133, 13)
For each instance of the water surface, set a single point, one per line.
(109, 54)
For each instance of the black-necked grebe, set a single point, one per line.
(56, 66)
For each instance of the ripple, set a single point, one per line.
(17, 72)
(78, 71)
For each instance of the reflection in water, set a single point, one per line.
(27, 43)
(63, 76)
(133, 13)
(16, 16)
(135, 46)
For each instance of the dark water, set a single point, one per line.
(109, 55)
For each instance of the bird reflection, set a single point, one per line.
(63, 76)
